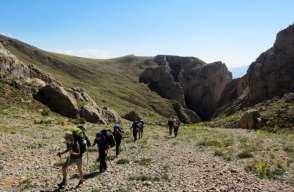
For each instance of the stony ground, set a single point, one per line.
(28, 162)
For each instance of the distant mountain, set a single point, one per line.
(239, 71)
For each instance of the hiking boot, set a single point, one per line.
(81, 182)
(62, 184)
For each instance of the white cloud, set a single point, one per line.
(89, 53)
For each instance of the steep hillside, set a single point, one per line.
(112, 82)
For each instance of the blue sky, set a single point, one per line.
(234, 31)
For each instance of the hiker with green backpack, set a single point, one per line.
(75, 150)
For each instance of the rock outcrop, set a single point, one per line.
(12, 69)
(204, 87)
(185, 115)
(75, 102)
(132, 116)
(109, 115)
(189, 81)
(272, 74)
(58, 100)
(269, 76)
(251, 119)
(91, 114)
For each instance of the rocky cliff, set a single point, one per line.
(272, 74)
(189, 81)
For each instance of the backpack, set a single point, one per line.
(135, 126)
(107, 134)
(140, 125)
(170, 123)
(118, 131)
(79, 137)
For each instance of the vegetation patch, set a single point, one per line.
(144, 178)
(144, 161)
(123, 161)
(265, 169)
(25, 184)
(245, 155)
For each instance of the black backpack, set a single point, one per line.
(82, 143)
(107, 134)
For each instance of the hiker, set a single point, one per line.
(140, 125)
(75, 157)
(170, 124)
(176, 125)
(102, 146)
(118, 136)
(135, 129)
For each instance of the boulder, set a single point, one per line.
(109, 115)
(58, 100)
(185, 115)
(132, 116)
(35, 82)
(91, 114)
(82, 96)
(251, 119)
(289, 97)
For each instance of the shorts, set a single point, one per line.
(70, 161)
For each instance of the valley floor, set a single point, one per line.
(28, 161)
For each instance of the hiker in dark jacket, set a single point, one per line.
(102, 146)
(170, 124)
(135, 129)
(118, 136)
(75, 157)
(176, 126)
(141, 128)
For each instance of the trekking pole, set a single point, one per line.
(125, 145)
(87, 157)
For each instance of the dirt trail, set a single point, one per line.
(155, 163)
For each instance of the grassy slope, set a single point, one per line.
(278, 113)
(112, 82)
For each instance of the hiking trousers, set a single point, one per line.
(117, 145)
(170, 130)
(102, 160)
(141, 133)
(176, 129)
(135, 132)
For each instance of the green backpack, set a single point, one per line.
(79, 137)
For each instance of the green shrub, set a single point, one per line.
(245, 154)
(45, 112)
(267, 169)
(144, 178)
(144, 161)
(123, 161)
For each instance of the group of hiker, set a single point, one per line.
(77, 143)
